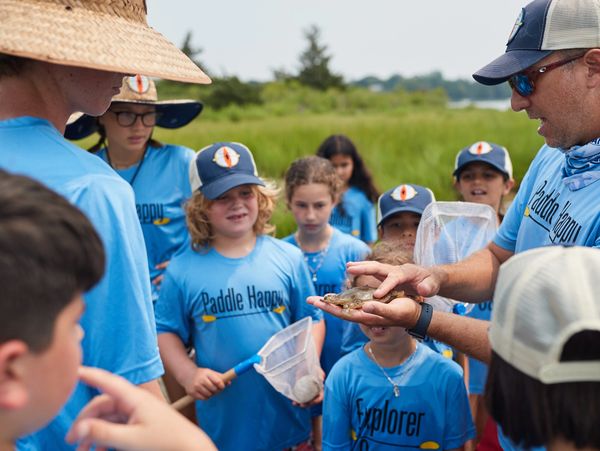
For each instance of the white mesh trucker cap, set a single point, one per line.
(543, 297)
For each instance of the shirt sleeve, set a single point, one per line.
(459, 426)
(170, 310)
(337, 421)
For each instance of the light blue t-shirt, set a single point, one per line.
(331, 275)
(120, 334)
(161, 187)
(358, 219)
(477, 369)
(546, 213)
(228, 308)
(361, 412)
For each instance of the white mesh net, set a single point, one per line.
(290, 363)
(449, 232)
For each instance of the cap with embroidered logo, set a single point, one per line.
(544, 297)
(406, 197)
(484, 152)
(542, 27)
(222, 166)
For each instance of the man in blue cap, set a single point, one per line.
(552, 63)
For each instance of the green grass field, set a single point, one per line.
(416, 146)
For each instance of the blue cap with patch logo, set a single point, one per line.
(223, 166)
(412, 198)
(484, 152)
(542, 27)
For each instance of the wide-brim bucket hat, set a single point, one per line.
(109, 35)
(139, 90)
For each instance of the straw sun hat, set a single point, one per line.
(139, 90)
(110, 35)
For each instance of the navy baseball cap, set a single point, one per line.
(412, 198)
(222, 166)
(484, 152)
(542, 27)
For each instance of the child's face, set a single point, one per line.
(131, 139)
(51, 375)
(481, 183)
(401, 228)
(379, 335)
(344, 166)
(311, 206)
(233, 214)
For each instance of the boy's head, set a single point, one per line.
(544, 377)
(388, 253)
(226, 187)
(399, 211)
(49, 255)
(483, 174)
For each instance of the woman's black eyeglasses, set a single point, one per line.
(128, 118)
(524, 82)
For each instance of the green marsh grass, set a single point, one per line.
(417, 146)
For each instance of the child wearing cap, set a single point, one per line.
(543, 385)
(483, 175)
(312, 188)
(394, 392)
(157, 172)
(227, 294)
(399, 212)
(354, 213)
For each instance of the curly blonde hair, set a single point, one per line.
(305, 171)
(201, 229)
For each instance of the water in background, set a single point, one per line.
(499, 104)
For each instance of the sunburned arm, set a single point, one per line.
(474, 278)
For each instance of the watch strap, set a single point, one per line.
(420, 329)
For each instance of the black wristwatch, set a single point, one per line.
(420, 329)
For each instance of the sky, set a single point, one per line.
(251, 38)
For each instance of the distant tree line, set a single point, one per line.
(314, 72)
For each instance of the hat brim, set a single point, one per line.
(499, 168)
(407, 209)
(172, 114)
(509, 64)
(220, 186)
(76, 36)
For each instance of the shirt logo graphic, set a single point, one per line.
(480, 148)
(138, 84)
(226, 157)
(403, 193)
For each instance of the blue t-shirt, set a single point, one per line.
(478, 370)
(161, 187)
(361, 412)
(546, 213)
(331, 275)
(228, 308)
(358, 219)
(120, 334)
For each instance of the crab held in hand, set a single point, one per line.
(354, 298)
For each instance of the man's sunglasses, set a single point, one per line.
(524, 82)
